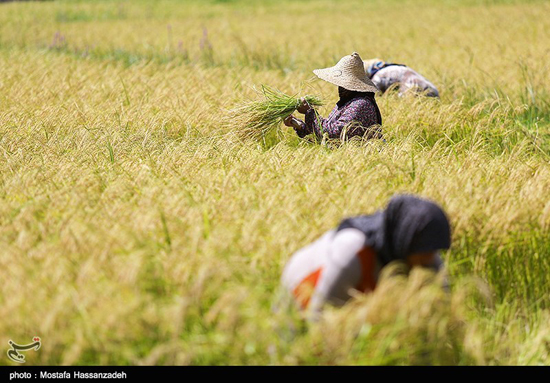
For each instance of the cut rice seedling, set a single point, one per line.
(257, 119)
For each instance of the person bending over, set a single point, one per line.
(385, 75)
(351, 256)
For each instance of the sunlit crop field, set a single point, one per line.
(137, 227)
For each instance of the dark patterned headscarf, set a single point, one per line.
(408, 225)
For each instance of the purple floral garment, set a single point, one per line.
(358, 109)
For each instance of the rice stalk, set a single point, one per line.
(256, 119)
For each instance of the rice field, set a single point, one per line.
(138, 227)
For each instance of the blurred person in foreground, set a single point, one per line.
(356, 112)
(387, 75)
(351, 256)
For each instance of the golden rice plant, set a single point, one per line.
(133, 232)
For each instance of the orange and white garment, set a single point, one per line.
(330, 268)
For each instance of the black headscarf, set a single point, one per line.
(346, 95)
(408, 225)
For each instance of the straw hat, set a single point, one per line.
(349, 73)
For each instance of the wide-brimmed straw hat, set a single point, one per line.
(349, 73)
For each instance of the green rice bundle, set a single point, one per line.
(259, 118)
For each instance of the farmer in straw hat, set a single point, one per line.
(386, 75)
(410, 229)
(355, 114)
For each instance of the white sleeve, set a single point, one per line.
(342, 270)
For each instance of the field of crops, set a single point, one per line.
(138, 227)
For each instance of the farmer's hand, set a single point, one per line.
(304, 106)
(289, 121)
